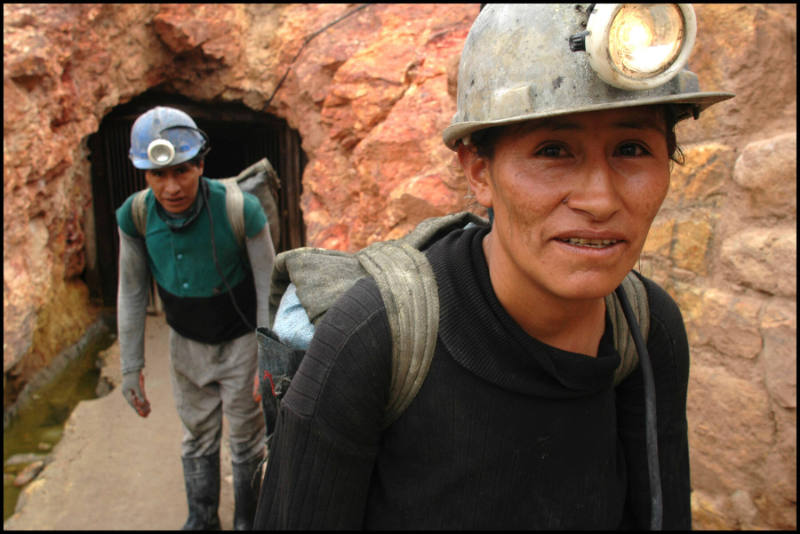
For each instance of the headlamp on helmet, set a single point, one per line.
(638, 46)
(161, 151)
(523, 62)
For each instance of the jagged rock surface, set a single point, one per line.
(369, 97)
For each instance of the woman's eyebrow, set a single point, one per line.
(642, 124)
(551, 124)
(556, 124)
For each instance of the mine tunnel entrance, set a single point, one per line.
(239, 137)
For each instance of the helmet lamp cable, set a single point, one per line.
(216, 261)
(651, 426)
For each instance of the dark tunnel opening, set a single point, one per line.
(238, 136)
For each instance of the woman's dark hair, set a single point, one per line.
(672, 114)
(484, 140)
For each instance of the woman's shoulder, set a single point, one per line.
(343, 379)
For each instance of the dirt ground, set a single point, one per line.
(113, 470)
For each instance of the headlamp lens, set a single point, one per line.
(161, 152)
(645, 39)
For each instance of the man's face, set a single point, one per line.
(175, 187)
(573, 199)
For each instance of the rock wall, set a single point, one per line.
(370, 96)
(725, 245)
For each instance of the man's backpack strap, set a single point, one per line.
(139, 211)
(261, 181)
(623, 340)
(408, 287)
(234, 205)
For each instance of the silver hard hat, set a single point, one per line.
(528, 61)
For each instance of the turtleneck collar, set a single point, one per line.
(482, 337)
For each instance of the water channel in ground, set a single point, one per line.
(38, 424)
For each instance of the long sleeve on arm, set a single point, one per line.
(261, 253)
(669, 355)
(323, 452)
(132, 294)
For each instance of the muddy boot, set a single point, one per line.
(201, 475)
(246, 483)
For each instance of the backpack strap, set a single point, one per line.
(321, 275)
(234, 205)
(407, 285)
(261, 181)
(623, 340)
(139, 211)
(404, 278)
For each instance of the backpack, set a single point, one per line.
(309, 280)
(259, 179)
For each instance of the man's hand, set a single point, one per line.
(133, 391)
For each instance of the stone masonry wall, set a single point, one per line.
(370, 96)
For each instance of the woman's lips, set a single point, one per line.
(594, 243)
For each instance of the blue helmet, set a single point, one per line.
(163, 137)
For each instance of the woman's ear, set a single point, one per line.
(476, 169)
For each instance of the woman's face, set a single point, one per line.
(573, 199)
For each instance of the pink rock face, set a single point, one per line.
(370, 96)
(385, 108)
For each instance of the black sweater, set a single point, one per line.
(505, 433)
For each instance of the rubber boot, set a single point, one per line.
(201, 475)
(246, 483)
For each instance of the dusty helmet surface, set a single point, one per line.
(163, 137)
(528, 61)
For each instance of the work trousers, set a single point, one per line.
(209, 380)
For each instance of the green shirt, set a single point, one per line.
(182, 261)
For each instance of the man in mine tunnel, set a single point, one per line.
(532, 413)
(214, 284)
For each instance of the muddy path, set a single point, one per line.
(115, 470)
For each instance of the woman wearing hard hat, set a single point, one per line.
(565, 131)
